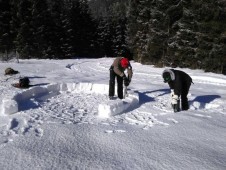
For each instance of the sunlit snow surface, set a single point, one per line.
(66, 121)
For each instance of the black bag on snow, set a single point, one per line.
(24, 82)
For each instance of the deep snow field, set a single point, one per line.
(66, 121)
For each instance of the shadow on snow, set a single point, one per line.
(144, 98)
(205, 98)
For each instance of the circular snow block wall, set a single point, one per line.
(23, 100)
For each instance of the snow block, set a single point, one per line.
(8, 106)
(83, 87)
(100, 88)
(87, 88)
(30, 93)
(114, 107)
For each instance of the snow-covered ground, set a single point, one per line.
(65, 120)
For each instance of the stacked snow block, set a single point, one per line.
(8, 106)
(118, 106)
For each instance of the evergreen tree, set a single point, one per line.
(182, 41)
(119, 20)
(140, 38)
(159, 29)
(83, 28)
(178, 33)
(14, 23)
(111, 16)
(41, 22)
(24, 40)
(132, 26)
(6, 37)
(212, 26)
(105, 37)
(67, 34)
(56, 38)
(195, 38)
(101, 8)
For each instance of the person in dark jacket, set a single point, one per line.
(117, 69)
(179, 83)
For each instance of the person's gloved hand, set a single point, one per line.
(172, 93)
(175, 102)
(175, 98)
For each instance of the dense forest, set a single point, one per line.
(175, 33)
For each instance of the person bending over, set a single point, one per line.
(117, 69)
(179, 83)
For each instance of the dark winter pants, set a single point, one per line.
(112, 84)
(184, 99)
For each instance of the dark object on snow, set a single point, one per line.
(10, 71)
(23, 83)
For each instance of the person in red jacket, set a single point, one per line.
(179, 83)
(117, 69)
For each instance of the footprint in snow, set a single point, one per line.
(69, 66)
(27, 129)
(14, 124)
(173, 120)
(39, 132)
(115, 131)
